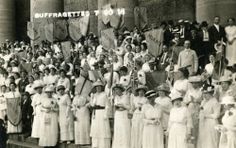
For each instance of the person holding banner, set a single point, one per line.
(14, 112)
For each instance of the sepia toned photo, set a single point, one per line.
(117, 74)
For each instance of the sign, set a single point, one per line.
(107, 38)
(33, 30)
(154, 40)
(140, 17)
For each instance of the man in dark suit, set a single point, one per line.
(216, 33)
(204, 44)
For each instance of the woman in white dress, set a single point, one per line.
(231, 44)
(82, 120)
(36, 104)
(30, 87)
(228, 129)
(49, 121)
(100, 126)
(13, 99)
(63, 80)
(180, 123)
(193, 100)
(208, 137)
(122, 125)
(65, 116)
(137, 120)
(153, 134)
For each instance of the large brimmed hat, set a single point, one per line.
(141, 87)
(98, 83)
(163, 87)
(225, 79)
(119, 86)
(195, 79)
(38, 84)
(176, 95)
(150, 93)
(49, 89)
(228, 100)
(208, 89)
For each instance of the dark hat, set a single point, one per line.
(208, 89)
(124, 68)
(119, 86)
(204, 24)
(141, 87)
(60, 87)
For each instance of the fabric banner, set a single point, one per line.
(115, 21)
(74, 29)
(84, 86)
(107, 38)
(49, 32)
(33, 30)
(65, 46)
(154, 79)
(14, 110)
(140, 17)
(60, 30)
(154, 40)
(78, 27)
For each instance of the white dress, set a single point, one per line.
(179, 124)
(49, 122)
(82, 122)
(208, 137)
(166, 105)
(65, 118)
(36, 104)
(122, 125)
(13, 106)
(153, 135)
(100, 126)
(231, 48)
(137, 121)
(228, 139)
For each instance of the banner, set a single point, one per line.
(60, 30)
(140, 17)
(115, 21)
(154, 40)
(33, 30)
(14, 110)
(107, 38)
(66, 46)
(49, 32)
(78, 27)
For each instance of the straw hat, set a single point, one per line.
(150, 94)
(195, 79)
(163, 87)
(141, 87)
(49, 89)
(228, 100)
(176, 95)
(98, 83)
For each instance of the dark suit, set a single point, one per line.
(168, 36)
(204, 49)
(215, 35)
(27, 112)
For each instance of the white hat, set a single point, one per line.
(195, 79)
(49, 89)
(38, 84)
(228, 100)
(98, 83)
(225, 79)
(176, 95)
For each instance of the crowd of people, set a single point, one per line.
(102, 97)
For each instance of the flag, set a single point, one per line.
(154, 40)
(65, 46)
(49, 32)
(33, 30)
(60, 30)
(140, 17)
(78, 27)
(107, 38)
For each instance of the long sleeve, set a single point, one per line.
(216, 111)
(195, 61)
(179, 60)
